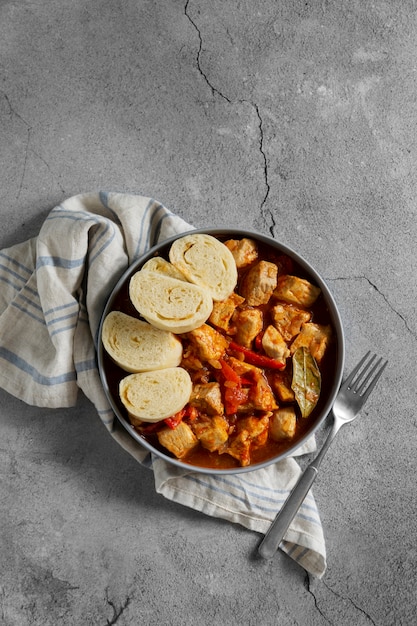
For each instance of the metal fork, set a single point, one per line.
(351, 397)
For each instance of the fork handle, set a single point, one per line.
(279, 526)
(274, 536)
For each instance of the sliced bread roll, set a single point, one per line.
(169, 303)
(153, 396)
(159, 264)
(136, 346)
(207, 262)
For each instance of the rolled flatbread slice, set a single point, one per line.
(159, 264)
(168, 303)
(207, 262)
(137, 346)
(154, 396)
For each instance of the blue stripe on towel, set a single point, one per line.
(106, 416)
(104, 199)
(259, 488)
(61, 307)
(56, 261)
(10, 283)
(14, 262)
(37, 376)
(63, 329)
(233, 496)
(23, 279)
(75, 216)
(141, 245)
(28, 313)
(153, 225)
(56, 320)
(31, 303)
(108, 227)
(159, 227)
(80, 216)
(85, 366)
(277, 502)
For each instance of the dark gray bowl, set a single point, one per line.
(119, 299)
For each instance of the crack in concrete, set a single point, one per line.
(357, 607)
(29, 129)
(265, 160)
(307, 585)
(383, 296)
(308, 588)
(116, 613)
(28, 134)
(12, 111)
(215, 91)
(49, 169)
(200, 49)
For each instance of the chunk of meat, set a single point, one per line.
(209, 344)
(223, 311)
(180, 440)
(260, 394)
(248, 323)
(239, 448)
(245, 251)
(257, 427)
(251, 431)
(190, 361)
(211, 432)
(315, 337)
(296, 290)
(274, 345)
(259, 283)
(288, 319)
(242, 368)
(207, 398)
(283, 423)
(281, 385)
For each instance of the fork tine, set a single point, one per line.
(375, 379)
(362, 380)
(353, 373)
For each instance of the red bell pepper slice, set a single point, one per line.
(233, 398)
(258, 340)
(190, 412)
(257, 359)
(173, 421)
(229, 373)
(233, 393)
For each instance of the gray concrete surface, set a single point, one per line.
(297, 119)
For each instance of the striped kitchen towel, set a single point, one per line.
(54, 288)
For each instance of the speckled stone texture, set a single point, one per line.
(297, 119)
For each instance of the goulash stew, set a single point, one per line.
(259, 366)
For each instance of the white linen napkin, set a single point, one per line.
(54, 289)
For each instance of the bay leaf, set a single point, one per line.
(306, 380)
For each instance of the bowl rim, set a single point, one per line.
(336, 321)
